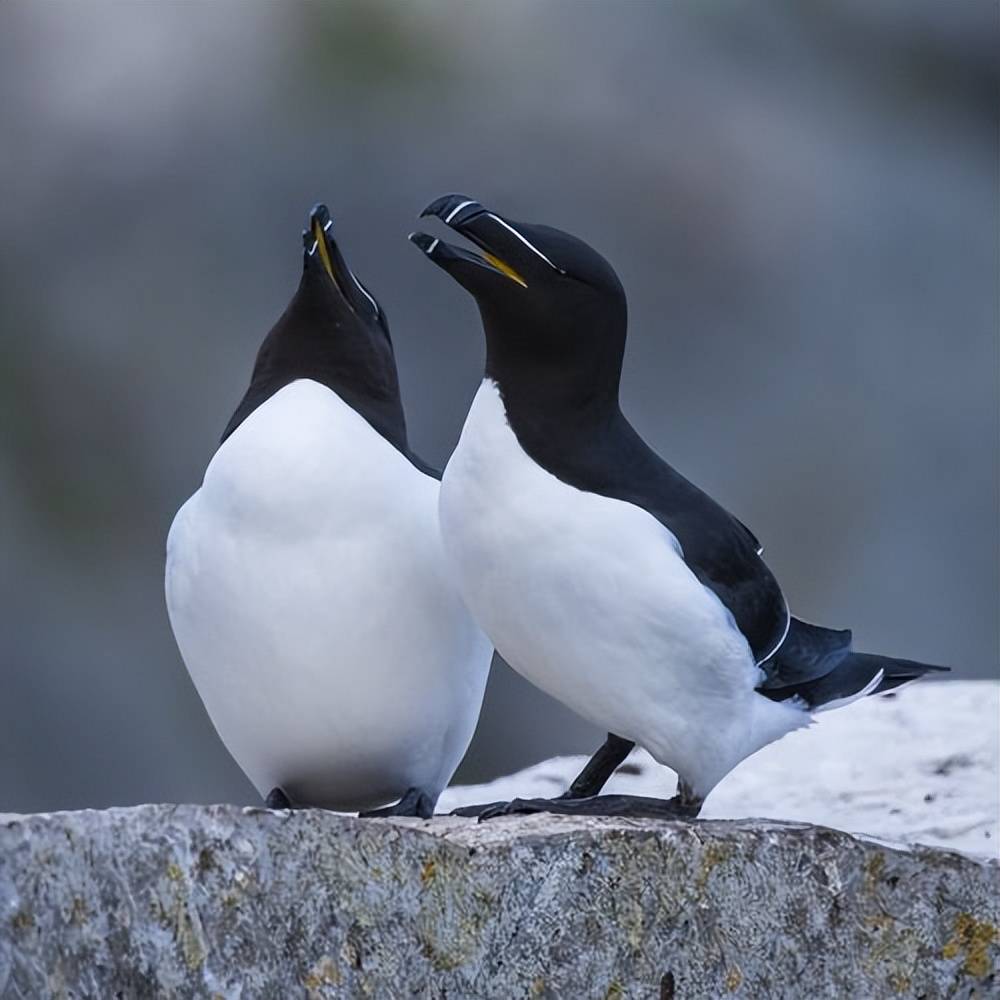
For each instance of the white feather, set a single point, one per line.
(590, 599)
(307, 590)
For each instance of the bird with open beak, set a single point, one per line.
(306, 581)
(600, 573)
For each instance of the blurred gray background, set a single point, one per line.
(800, 199)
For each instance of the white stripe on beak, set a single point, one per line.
(458, 208)
(530, 246)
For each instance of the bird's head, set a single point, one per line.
(553, 309)
(333, 332)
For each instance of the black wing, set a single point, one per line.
(721, 551)
(609, 458)
(809, 652)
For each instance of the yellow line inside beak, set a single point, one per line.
(323, 252)
(505, 269)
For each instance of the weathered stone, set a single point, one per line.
(186, 901)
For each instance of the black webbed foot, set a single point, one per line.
(477, 810)
(677, 808)
(587, 783)
(277, 799)
(416, 802)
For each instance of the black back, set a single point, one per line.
(599, 451)
(335, 333)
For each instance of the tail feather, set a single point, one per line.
(898, 672)
(854, 676)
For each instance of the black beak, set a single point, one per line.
(508, 259)
(454, 209)
(322, 254)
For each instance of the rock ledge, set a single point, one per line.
(189, 901)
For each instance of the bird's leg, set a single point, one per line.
(599, 768)
(587, 783)
(277, 799)
(416, 802)
(687, 802)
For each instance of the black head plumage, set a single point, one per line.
(553, 310)
(333, 332)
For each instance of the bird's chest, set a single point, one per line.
(305, 506)
(500, 512)
(304, 467)
(534, 556)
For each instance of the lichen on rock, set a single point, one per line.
(188, 901)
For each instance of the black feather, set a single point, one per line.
(850, 676)
(808, 653)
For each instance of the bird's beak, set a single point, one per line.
(322, 252)
(320, 223)
(504, 254)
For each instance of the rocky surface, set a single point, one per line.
(187, 901)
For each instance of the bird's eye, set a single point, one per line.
(578, 280)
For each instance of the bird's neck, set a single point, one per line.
(566, 387)
(310, 342)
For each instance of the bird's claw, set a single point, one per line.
(416, 802)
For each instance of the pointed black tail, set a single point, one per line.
(817, 666)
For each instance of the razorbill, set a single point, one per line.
(306, 582)
(599, 572)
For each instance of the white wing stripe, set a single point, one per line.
(784, 635)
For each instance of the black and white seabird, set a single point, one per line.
(306, 582)
(600, 573)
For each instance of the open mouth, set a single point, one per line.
(320, 224)
(320, 244)
(457, 212)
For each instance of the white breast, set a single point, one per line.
(590, 599)
(307, 591)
